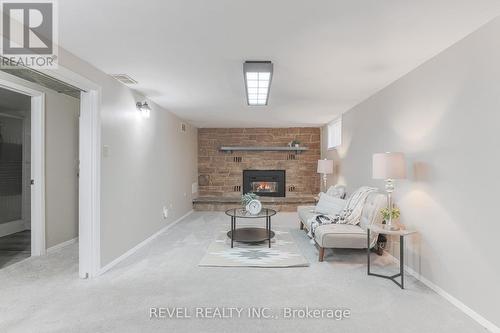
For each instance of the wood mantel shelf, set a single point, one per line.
(230, 149)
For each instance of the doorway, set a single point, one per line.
(33, 83)
(15, 177)
(53, 221)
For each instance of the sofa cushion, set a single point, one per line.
(305, 214)
(340, 236)
(371, 209)
(337, 191)
(329, 205)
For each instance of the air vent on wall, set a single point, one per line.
(124, 78)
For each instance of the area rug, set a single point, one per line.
(283, 253)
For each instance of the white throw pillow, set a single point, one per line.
(329, 205)
(337, 191)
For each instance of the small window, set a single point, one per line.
(335, 133)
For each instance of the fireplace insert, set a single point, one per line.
(268, 183)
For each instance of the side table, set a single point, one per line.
(379, 229)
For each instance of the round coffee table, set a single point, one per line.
(250, 234)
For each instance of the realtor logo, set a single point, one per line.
(28, 34)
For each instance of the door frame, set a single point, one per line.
(37, 163)
(89, 199)
(90, 164)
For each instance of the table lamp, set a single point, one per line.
(389, 166)
(325, 167)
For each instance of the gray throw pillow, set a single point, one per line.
(336, 191)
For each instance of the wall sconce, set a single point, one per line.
(144, 109)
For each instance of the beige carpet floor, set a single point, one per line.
(45, 295)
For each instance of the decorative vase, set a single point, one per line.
(394, 225)
(253, 207)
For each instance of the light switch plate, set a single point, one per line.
(105, 150)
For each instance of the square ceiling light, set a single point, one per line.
(258, 76)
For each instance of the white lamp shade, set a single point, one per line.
(325, 166)
(389, 166)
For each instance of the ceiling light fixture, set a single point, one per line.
(144, 109)
(258, 76)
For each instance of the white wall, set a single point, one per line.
(150, 164)
(61, 168)
(445, 115)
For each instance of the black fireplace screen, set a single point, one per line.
(269, 183)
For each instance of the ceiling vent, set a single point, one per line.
(124, 78)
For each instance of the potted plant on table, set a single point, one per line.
(386, 213)
(294, 143)
(390, 213)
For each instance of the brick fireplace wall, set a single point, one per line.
(221, 173)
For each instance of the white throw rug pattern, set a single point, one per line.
(283, 253)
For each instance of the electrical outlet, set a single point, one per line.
(105, 151)
(165, 212)
(194, 188)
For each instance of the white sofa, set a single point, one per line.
(345, 235)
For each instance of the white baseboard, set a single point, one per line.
(441, 292)
(12, 227)
(141, 244)
(61, 245)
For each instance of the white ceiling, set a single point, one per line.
(328, 55)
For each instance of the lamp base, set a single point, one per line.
(389, 187)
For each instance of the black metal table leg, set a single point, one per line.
(368, 250)
(401, 261)
(233, 222)
(269, 231)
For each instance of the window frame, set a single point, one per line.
(334, 126)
